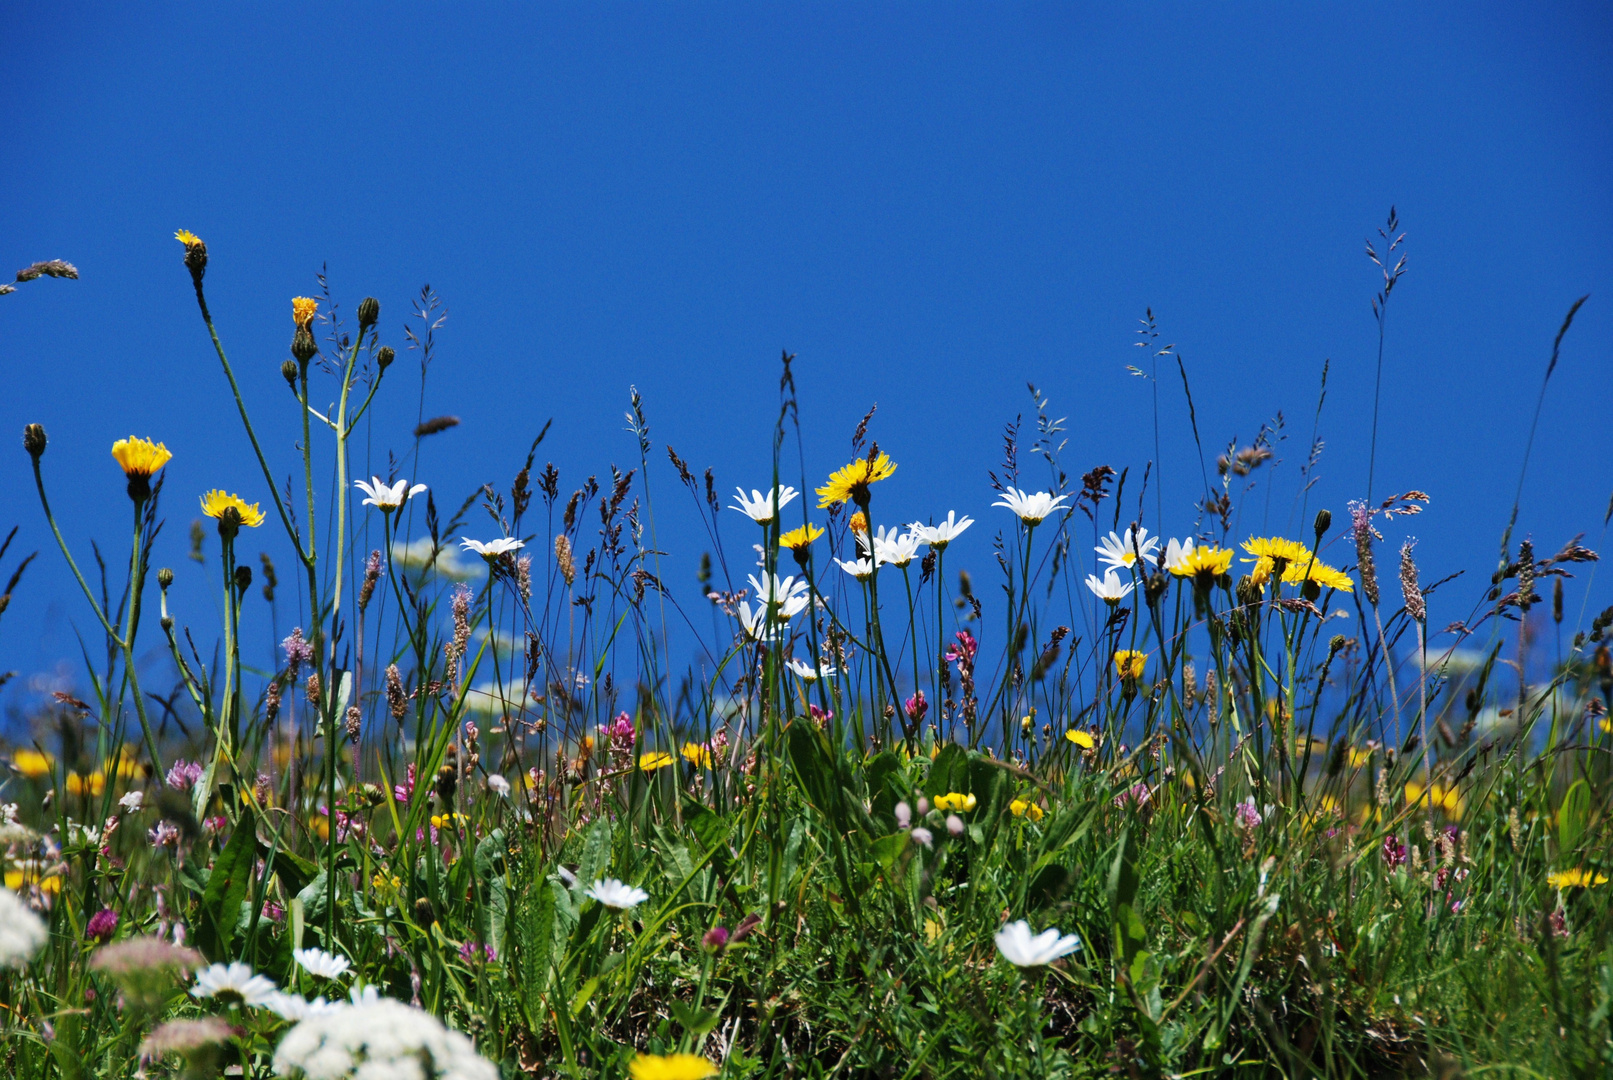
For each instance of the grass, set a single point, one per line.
(1306, 834)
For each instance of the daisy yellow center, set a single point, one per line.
(216, 502)
(850, 483)
(140, 457)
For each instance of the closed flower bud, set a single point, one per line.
(302, 346)
(369, 312)
(384, 357)
(165, 577)
(288, 372)
(1324, 519)
(33, 439)
(243, 578)
(954, 825)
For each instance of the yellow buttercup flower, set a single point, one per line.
(1022, 808)
(302, 311)
(850, 484)
(216, 502)
(188, 238)
(1440, 797)
(655, 759)
(952, 800)
(1081, 738)
(384, 884)
(800, 539)
(1203, 562)
(140, 457)
(1130, 664)
(670, 1067)
(697, 755)
(31, 763)
(1575, 879)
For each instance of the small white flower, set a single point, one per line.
(1032, 509)
(234, 982)
(131, 802)
(498, 786)
(493, 548)
(614, 894)
(1023, 949)
(321, 963)
(861, 569)
(387, 498)
(897, 550)
(1111, 590)
(942, 533)
(1121, 551)
(21, 931)
(904, 815)
(380, 1040)
(807, 673)
(1175, 552)
(761, 508)
(921, 835)
(788, 596)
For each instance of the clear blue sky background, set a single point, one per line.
(930, 204)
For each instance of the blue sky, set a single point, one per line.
(931, 205)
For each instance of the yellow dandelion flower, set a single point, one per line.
(1080, 738)
(850, 484)
(140, 457)
(1204, 562)
(1268, 549)
(1440, 797)
(1317, 571)
(188, 238)
(799, 540)
(216, 502)
(670, 1067)
(1575, 879)
(655, 759)
(31, 763)
(302, 311)
(697, 754)
(1024, 809)
(952, 800)
(858, 523)
(1129, 664)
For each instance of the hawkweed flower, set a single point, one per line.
(1081, 738)
(670, 1067)
(807, 673)
(22, 933)
(387, 498)
(231, 511)
(942, 533)
(799, 541)
(32, 764)
(1317, 575)
(851, 482)
(321, 963)
(140, 460)
(195, 254)
(1120, 551)
(1111, 590)
(1575, 879)
(1202, 564)
(380, 1039)
(1129, 664)
(763, 508)
(493, 548)
(1020, 947)
(655, 759)
(1273, 555)
(232, 984)
(616, 895)
(1440, 797)
(1032, 509)
(302, 312)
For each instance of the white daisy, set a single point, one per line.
(942, 533)
(788, 596)
(382, 1040)
(761, 508)
(1023, 949)
(1111, 590)
(493, 548)
(367, 994)
(21, 931)
(807, 673)
(321, 963)
(1032, 509)
(1120, 551)
(861, 569)
(614, 894)
(897, 550)
(234, 982)
(756, 625)
(295, 1007)
(1175, 552)
(387, 498)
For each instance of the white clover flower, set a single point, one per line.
(493, 548)
(807, 673)
(321, 963)
(22, 933)
(131, 802)
(614, 894)
(234, 982)
(942, 533)
(897, 550)
(1120, 551)
(1032, 509)
(387, 498)
(1111, 590)
(861, 569)
(384, 1040)
(1023, 949)
(1175, 552)
(761, 508)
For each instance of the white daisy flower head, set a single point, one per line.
(1110, 589)
(615, 894)
(296, 1007)
(756, 624)
(861, 569)
(942, 533)
(387, 497)
(383, 1040)
(897, 550)
(493, 548)
(232, 983)
(788, 595)
(1175, 552)
(368, 994)
(807, 673)
(762, 508)
(22, 933)
(321, 963)
(1032, 509)
(1120, 550)
(1022, 948)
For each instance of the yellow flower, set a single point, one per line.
(670, 1067)
(140, 457)
(1359, 757)
(1575, 879)
(954, 801)
(216, 502)
(1267, 549)
(302, 311)
(858, 523)
(1204, 562)
(188, 238)
(1440, 797)
(799, 540)
(697, 755)
(1308, 569)
(655, 759)
(93, 784)
(1130, 664)
(16, 880)
(850, 484)
(1080, 738)
(1021, 808)
(448, 821)
(932, 931)
(31, 763)
(385, 884)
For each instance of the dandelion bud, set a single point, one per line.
(369, 313)
(33, 440)
(243, 579)
(165, 577)
(167, 622)
(384, 357)
(1324, 519)
(954, 825)
(288, 372)
(303, 346)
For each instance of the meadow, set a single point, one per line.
(1234, 805)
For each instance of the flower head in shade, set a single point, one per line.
(942, 533)
(1022, 948)
(387, 498)
(1575, 879)
(670, 1067)
(382, 1040)
(1032, 509)
(217, 503)
(1129, 664)
(302, 311)
(895, 549)
(800, 538)
(807, 673)
(21, 931)
(851, 483)
(762, 508)
(1110, 589)
(1120, 551)
(493, 548)
(140, 457)
(234, 984)
(615, 894)
(321, 963)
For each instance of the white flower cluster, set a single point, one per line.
(21, 931)
(379, 1040)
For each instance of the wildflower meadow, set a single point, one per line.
(871, 798)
